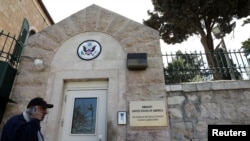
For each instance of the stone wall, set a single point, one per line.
(192, 107)
(13, 12)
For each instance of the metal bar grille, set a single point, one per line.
(193, 67)
(8, 43)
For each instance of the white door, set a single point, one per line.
(84, 116)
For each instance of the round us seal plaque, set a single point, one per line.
(89, 50)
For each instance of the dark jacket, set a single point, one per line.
(17, 129)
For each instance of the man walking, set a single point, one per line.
(26, 126)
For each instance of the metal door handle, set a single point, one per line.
(100, 137)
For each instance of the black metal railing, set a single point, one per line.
(193, 67)
(10, 49)
(10, 52)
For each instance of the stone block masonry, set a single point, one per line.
(194, 106)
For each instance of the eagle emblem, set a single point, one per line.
(89, 49)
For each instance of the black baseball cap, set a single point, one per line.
(38, 101)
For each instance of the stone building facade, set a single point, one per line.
(19, 20)
(13, 12)
(52, 68)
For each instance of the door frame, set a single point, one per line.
(78, 86)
